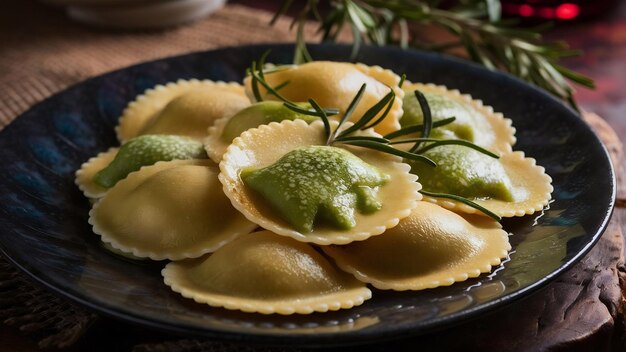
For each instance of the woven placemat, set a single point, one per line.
(42, 52)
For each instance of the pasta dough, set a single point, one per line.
(263, 146)
(334, 85)
(169, 210)
(266, 273)
(84, 175)
(183, 108)
(432, 247)
(474, 121)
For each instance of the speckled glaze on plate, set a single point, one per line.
(44, 229)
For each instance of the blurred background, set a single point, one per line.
(47, 45)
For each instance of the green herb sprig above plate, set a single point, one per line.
(475, 27)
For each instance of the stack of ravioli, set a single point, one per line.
(255, 212)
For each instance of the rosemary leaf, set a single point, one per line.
(370, 114)
(281, 85)
(355, 101)
(385, 148)
(301, 55)
(464, 201)
(457, 142)
(281, 11)
(402, 79)
(324, 118)
(413, 140)
(384, 114)
(428, 119)
(476, 25)
(362, 138)
(301, 110)
(255, 82)
(418, 128)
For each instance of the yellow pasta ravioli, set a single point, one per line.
(334, 85)
(260, 147)
(183, 108)
(265, 273)
(432, 247)
(169, 210)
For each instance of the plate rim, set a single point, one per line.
(325, 340)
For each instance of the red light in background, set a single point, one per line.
(546, 12)
(567, 11)
(558, 10)
(526, 10)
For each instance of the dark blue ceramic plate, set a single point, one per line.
(44, 230)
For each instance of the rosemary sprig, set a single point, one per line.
(337, 135)
(386, 148)
(460, 142)
(361, 124)
(441, 142)
(418, 128)
(464, 201)
(428, 119)
(476, 26)
(382, 144)
(257, 75)
(426, 127)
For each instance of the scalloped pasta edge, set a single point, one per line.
(319, 239)
(179, 86)
(484, 266)
(106, 238)
(544, 196)
(214, 146)
(503, 127)
(87, 186)
(390, 79)
(345, 300)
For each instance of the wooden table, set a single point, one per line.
(582, 310)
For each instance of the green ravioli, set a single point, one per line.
(464, 172)
(261, 113)
(318, 182)
(147, 150)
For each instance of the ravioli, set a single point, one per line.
(464, 172)
(263, 146)
(281, 174)
(530, 187)
(266, 273)
(185, 108)
(84, 175)
(169, 210)
(147, 150)
(334, 85)
(432, 247)
(474, 121)
(224, 130)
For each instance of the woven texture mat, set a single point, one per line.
(42, 52)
